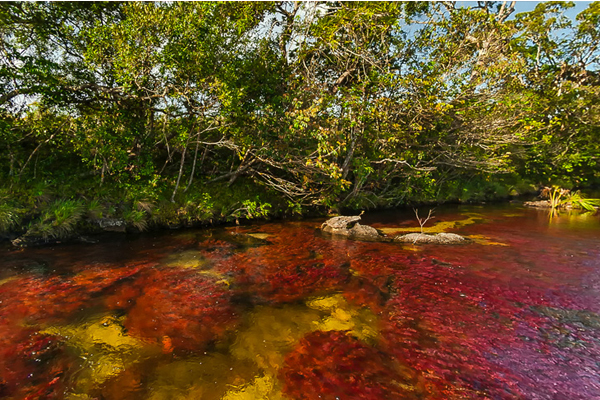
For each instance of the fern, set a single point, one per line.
(59, 220)
(95, 209)
(137, 218)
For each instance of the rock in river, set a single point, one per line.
(349, 227)
(440, 238)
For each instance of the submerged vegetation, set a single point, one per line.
(274, 311)
(176, 113)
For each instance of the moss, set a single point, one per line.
(186, 259)
(442, 226)
(209, 376)
(261, 236)
(272, 332)
(261, 388)
(361, 323)
(485, 240)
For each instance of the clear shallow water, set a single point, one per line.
(278, 311)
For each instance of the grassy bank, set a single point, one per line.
(49, 212)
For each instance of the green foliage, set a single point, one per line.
(58, 220)
(191, 209)
(9, 217)
(294, 208)
(576, 200)
(178, 113)
(564, 198)
(95, 209)
(256, 209)
(137, 219)
(251, 209)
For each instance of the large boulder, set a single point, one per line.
(339, 225)
(364, 232)
(440, 238)
(349, 227)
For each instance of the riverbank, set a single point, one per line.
(45, 215)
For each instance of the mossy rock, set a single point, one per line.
(349, 227)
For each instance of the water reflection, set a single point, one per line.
(278, 311)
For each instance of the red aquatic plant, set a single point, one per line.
(215, 251)
(215, 246)
(127, 385)
(573, 344)
(44, 299)
(372, 271)
(334, 365)
(32, 365)
(450, 323)
(362, 293)
(180, 308)
(518, 321)
(294, 265)
(123, 296)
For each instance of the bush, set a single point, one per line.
(137, 219)
(9, 217)
(58, 220)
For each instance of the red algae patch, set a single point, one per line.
(179, 308)
(297, 264)
(48, 299)
(334, 365)
(278, 311)
(32, 364)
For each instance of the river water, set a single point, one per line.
(279, 311)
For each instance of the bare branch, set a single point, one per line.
(422, 221)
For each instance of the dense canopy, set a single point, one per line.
(183, 111)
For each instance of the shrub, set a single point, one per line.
(8, 217)
(58, 220)
(562, 198)
(137, 219)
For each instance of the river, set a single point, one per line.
(279, 311)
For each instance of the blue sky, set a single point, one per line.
(523, 6)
